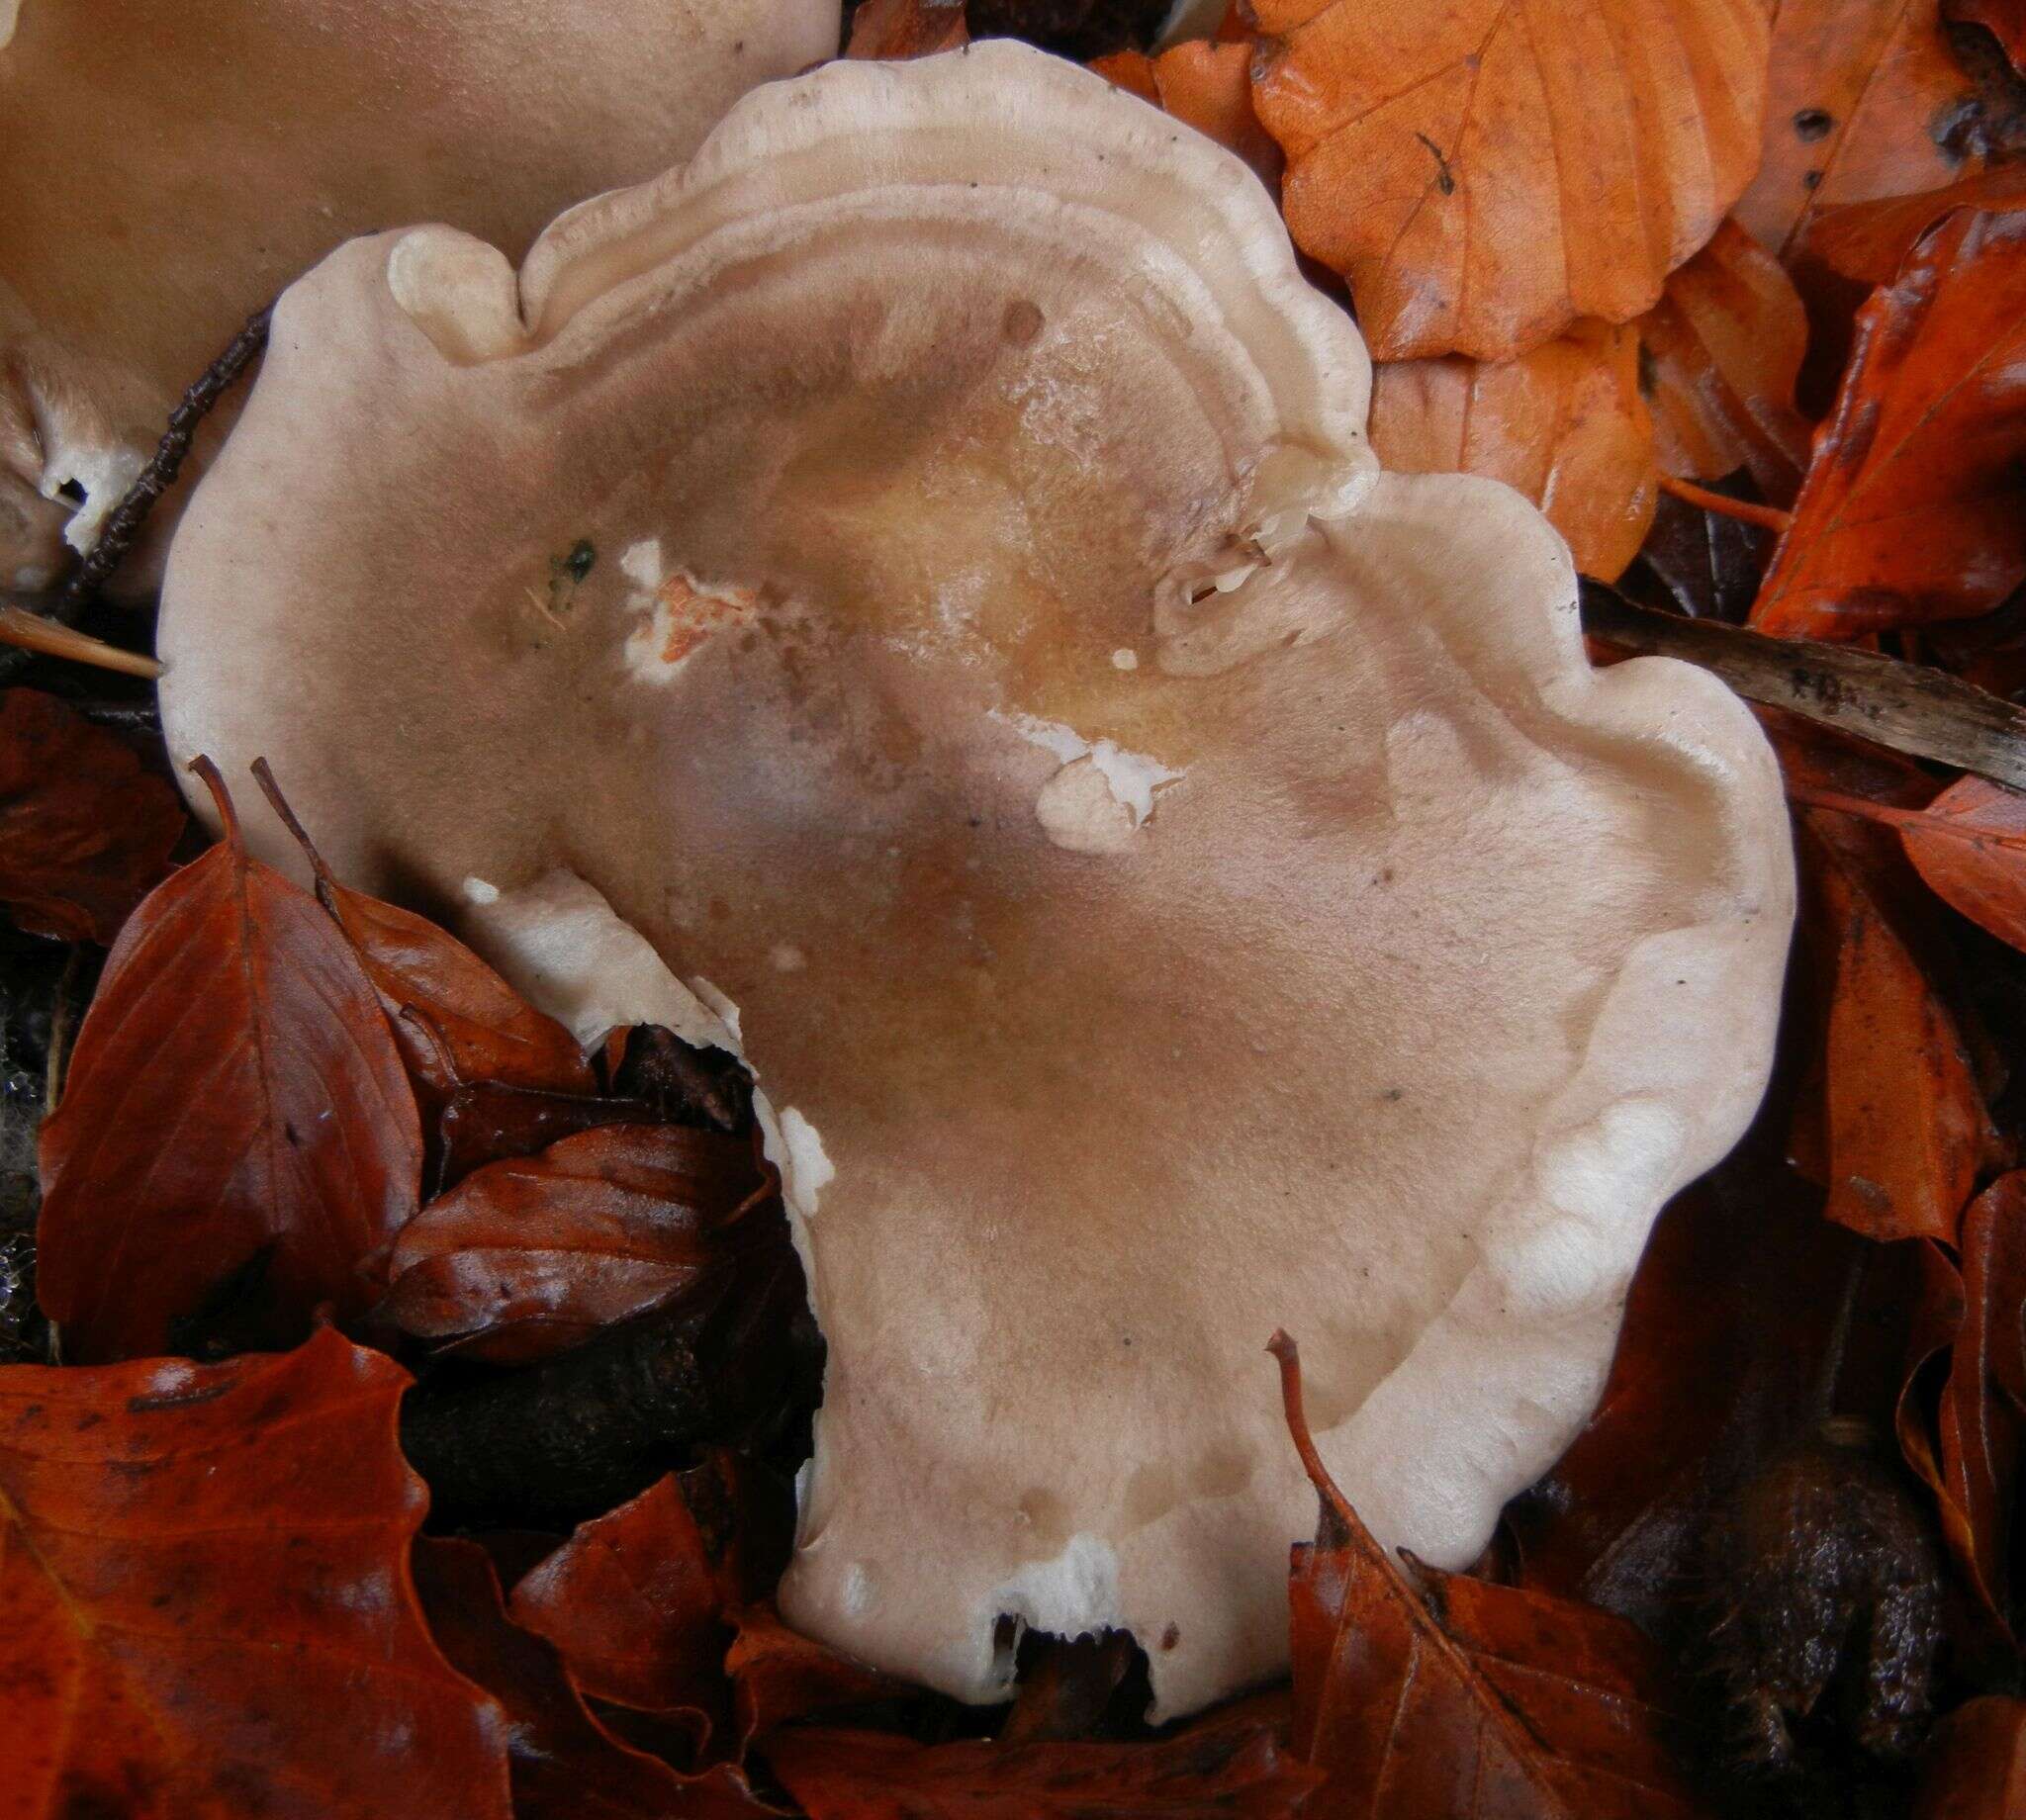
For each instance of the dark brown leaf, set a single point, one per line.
(234, 1092)
(85, 831)
(633, 1603)
(487, 1121)
(526, 1258)
(1232, 1765)
(1460, 1698)
(205, 1604)
(565, 1766)
(1977, 1765)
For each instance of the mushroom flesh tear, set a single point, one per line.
(920, 565)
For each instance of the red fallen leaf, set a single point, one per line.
(205, 1602)
(1976, 1764)
(455, 1018)
(233, 1091)
(1972, 1457)
(1725, 343)
(1969, 845)
(2003, 19)
(85, 830)
(1854, 91)
(1564, 424)
(564, 1764)
(1483, 175)
(907, 28)
(1208, 85)
(633, 1605)
(1911, 510)
(1906, 1123)
(1462, 1698)
(1867, 241)
(1232, 1765)
(778, 1675)
(526, 1258)
(488, 1122)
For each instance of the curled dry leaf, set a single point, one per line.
(1208, 85)
(1452, 1697)
(1233, 1765)
(778, 1675)
(633, 1603)
(85, 830)
(234, 1092)
(1565, 425)
(204, 1572)
(1969, 845)
(907, 28)
(1976, 1764)
(527, 1257)
(1906, 1123)
(1855, 94)
(1725, 343)
(1484, 174)
(564, 1764)
(1982, 1430)
(1911, 510)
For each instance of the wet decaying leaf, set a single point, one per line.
(1429, 1693)
(1702, 564)
(1235, 1766)
(1911, 511)
(1977, 1767)
(1724, 350)
(1907, 1126)
(531, 1257)
(86, 830)
(1565, 425)
(1486, 175)
(779, 1675)
(234, 1094)
(564, 1764)
(205, 1602)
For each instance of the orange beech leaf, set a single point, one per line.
(1234, 1764)
(455, 1018)
(1969, 845)
(1456, 1697)
(204, 1604)
(1209, 86)
(778, 1675)
(85, 830)
(1907, 1125)
(525, 1258)
(565, 1766)
(1854, 91)
(1485, 173)
(1976, 1764)
(1867, 241)
(898, 28)
(1564, 424)
(1725, 345)
(633, 1603)
(235, 1101)
(1912, 509)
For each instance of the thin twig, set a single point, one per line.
(1769, 517)
(31, 632)
(124, 522)
(1907, 707)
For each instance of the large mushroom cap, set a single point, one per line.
(921, 563)
(167, 165)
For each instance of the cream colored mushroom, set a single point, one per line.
(167, 165)
(921, 567)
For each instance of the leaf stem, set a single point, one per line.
(1767, 518)
(1283, 1348)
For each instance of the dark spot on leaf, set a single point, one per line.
(1811, 124)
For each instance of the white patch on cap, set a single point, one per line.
(1125, 658)
(478, 891)
(641, 564)
(1103, 794)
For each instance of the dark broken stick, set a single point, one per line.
(1908, 708)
